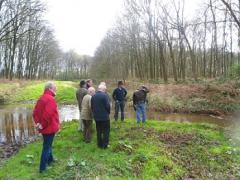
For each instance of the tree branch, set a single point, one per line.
(231, 12)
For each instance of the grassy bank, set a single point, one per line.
(29, 91)
(210, 97)
(157, 149)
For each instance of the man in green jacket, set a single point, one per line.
(80, 93)
(86, 115)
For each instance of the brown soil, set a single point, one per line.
(210, 93)
(8, 150)
(188, 91)
(173, 138)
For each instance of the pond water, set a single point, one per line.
(16, 123)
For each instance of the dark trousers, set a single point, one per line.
(87, 132)
(103, 130)
(119, 105)
(46, 157)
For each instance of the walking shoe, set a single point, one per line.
(105, 147)
(52, 162)
(42, 171)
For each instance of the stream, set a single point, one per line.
(16, 123)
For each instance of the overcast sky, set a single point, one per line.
(81, 24)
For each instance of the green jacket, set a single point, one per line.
(81, 92)
(86, 112)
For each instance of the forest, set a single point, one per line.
(150, 39)
(28, 47)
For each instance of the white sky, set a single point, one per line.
(81, 24)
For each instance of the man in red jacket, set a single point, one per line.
(46, 117)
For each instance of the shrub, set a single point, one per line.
(235, 71)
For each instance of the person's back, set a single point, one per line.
(100, 106)
(139, 100)
(81, 92)
(86, 112)
(140, 95)
(101, 109)
(86, 115)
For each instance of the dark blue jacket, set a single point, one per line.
(100, 106)
(119, 94)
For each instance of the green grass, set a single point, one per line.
(30, 93)
(163, 150)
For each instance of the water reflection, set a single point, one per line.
(16, 123)
(68, 112)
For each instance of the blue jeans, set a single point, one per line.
(119, 105)
(141, 112)
(46, 157)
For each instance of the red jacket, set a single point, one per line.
(46, 113)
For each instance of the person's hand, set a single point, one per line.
(38, 126)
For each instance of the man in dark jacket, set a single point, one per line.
(101, 109)
(81, 92)
(139, 103)
(46, 117)
(119, 95)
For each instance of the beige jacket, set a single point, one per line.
(86, 112)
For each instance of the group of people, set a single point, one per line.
(93, 104)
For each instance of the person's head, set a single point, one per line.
(51, 87)
(82, 84)
(103, 83)
(91, 91)
(102, 87)
(89, 83)
(144, 88)
(120, 83)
